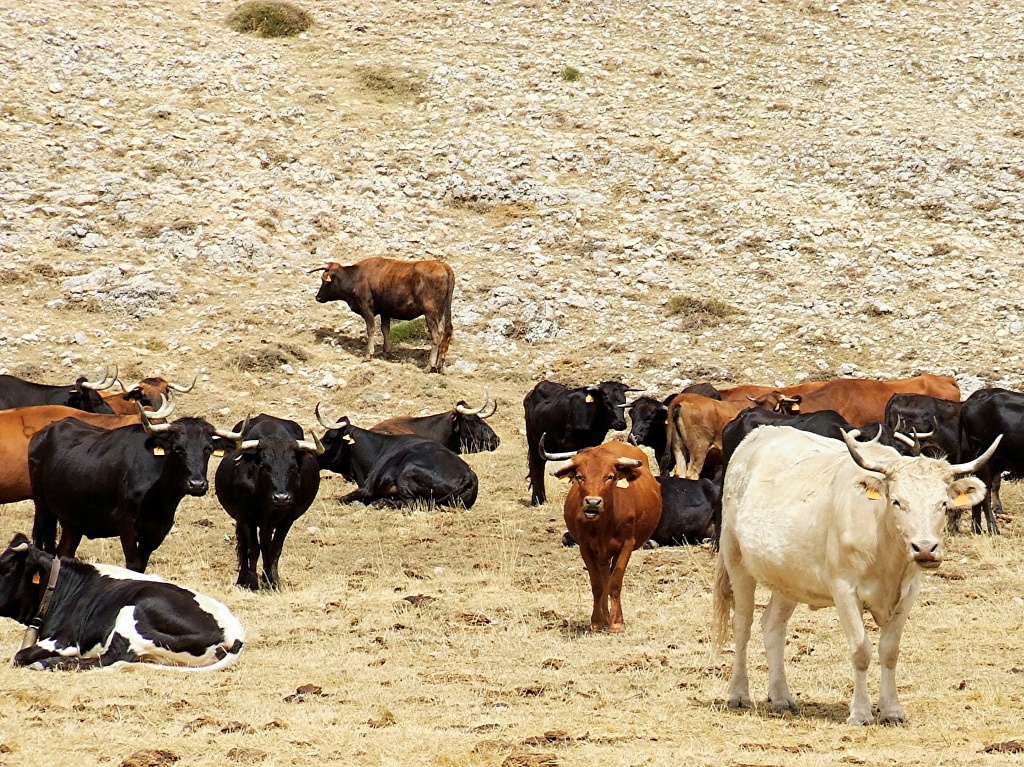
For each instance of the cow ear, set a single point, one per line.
(966, 492)
(564, 470)
(872, 487)
(156, 445)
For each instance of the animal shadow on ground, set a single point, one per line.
(577, 629)
(355, 344)
(831, 712)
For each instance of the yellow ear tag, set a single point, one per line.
(349, 439)
(589, 399)
(35, 579)
(622, 483)
(566, 480)
(873, 494)
(962, 500)
(794, 408)
(327, 278)
(158, 451)
(218, 453)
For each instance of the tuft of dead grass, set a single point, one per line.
(696, 313)
(269, 18)
(389, 84)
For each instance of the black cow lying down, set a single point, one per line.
(687, 512)
(100, 616)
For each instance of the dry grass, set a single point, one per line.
(269, 19)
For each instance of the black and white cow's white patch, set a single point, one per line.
(104, 616)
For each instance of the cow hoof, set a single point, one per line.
(784, 706)
(739, 703)
(616, 628)
(893, 716)
(860, 719)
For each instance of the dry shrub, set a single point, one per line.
(269, 19)
(570, 74)
(267, 358)
(699, 312)
(388, 84)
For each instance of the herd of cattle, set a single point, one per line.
(828, 492)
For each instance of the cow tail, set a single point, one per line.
(446, 322)
(674, 437)
(723, 604)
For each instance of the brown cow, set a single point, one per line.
(861, 400)
(695, 425)
(612, 508)
(147, 392)
(17, 427)
(401, 290)
(746, 391)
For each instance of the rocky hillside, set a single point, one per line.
(741, 191)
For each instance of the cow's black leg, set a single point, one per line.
(361, 494)
(33, 654)
(276, 546)
(44, 528)
(538, 494)
(69, 540)
(248, 555)
(996, 506)
(385, 330)
(118, 650)
(266, 537)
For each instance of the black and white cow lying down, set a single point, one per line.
(103, 616)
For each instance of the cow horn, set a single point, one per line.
(977, 463)
(316, 446)
(628, 463)
(631, 439)
(183, 389)
(106, 383)
(466, 410)
(553, 456)
(924, 434)
(235, 436)
(557, 468)
(494, 408)
(248, 444)
(326, 424)
(907, 440)
(20, 547)
(155, 428)
(318, 269)
(165, 409)
(864, 463)
(121, 384)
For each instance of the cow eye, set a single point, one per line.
(896, 503)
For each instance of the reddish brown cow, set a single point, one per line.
(861, 400)
(612, 508)
(148, 392)
(746, 391)
(401, 290)
(16, 429)
(695, 426)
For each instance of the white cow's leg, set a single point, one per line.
(774, 621)
(742, 617)
(852, 620)
(889, 707)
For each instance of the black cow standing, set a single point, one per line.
(571, 419)
(266, 484)
(81, 395)
(125, 482)
(98, 615)
(985, 415)
(648, 423)
(461, 430)
(935, 422)
(396, 469)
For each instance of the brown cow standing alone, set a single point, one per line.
(401, 290)
(612, 508)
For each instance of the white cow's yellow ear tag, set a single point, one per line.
(589, 399)
(158, 450)
(349, 439)
(962, 500)
(873, 494)
(36, 579)
(218, 453)
(622, 483)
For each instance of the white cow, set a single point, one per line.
(817, 528)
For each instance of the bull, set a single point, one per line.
(824, 523)
(401, 290)
(461, 430)
(265, 484)
(148, 392)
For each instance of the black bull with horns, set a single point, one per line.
(572, 419)
(124, 483)
(461, 430)
(398, 469)
(81, 395)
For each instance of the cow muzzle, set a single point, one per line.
(281, 499)
(926, 552)
(197, 486)
(592, 506)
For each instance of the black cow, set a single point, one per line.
(395, 468)
(461, 430)
(265, 484)
(81, 395)
(98, 615)
(687, 512)
(936, 422)
(649, 426)
(984, 415)
(572, 419)
(125, 482)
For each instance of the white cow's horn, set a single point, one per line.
(864, 463)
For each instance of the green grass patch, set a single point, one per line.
(570, 74)
(413, 330)
(269, 18)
